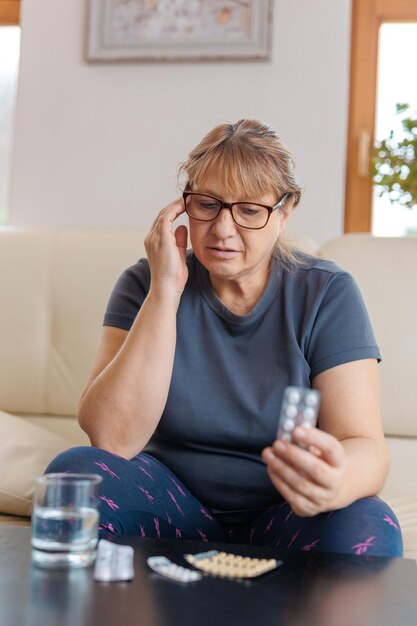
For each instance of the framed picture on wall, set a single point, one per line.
(178, 30)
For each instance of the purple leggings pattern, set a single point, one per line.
(143, 497)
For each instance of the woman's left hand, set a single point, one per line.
(309, 479)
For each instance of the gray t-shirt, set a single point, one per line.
(230, 371)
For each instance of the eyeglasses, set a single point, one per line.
(251, 215)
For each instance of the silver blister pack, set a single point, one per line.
(164, 567)
(114, 562)
(300, 407)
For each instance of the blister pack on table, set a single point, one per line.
(114, 562)
(231, 565)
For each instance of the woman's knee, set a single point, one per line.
(78, 460)
(371, 526)
(375, 507)
(367, 526)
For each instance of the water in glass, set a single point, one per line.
(65, 521)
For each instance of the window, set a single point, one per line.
(367, 18)
(396, 85)
(9, 65)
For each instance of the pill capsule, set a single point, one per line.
(293, 396)
(311, 399)
(288, 424)
(309, 414)
(290, 410)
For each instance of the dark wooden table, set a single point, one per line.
(309, 589)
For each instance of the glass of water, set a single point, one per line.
(65, 520)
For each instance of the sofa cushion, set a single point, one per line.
(66, 427)
(400, 489)
(14, 520)
(384, 268)
(55, 293)
(404, 506)
(25, 451)
(403, 466)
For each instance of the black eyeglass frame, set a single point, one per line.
(230, 205)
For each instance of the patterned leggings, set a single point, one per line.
(143, 497)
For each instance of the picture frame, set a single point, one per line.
(178, 30)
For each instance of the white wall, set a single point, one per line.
(98, 145)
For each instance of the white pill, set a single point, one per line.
(311, 399)
(288, 424)
(291, 411)
(309, 414)
(293, 396)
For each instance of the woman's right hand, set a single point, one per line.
(166, 250)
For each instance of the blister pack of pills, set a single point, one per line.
(300, 407)
(230, 565)
(114, 562)
(163, 566)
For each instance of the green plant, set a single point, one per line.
(394, 162)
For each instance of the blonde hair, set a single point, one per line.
(247, 158)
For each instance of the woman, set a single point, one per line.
(197, 348)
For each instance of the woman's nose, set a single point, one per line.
(224, 223)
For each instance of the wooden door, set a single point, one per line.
(9, 12)
(367, 17)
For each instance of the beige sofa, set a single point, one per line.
(54, 286)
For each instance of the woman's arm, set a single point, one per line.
(350, 457)
(128, 387)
